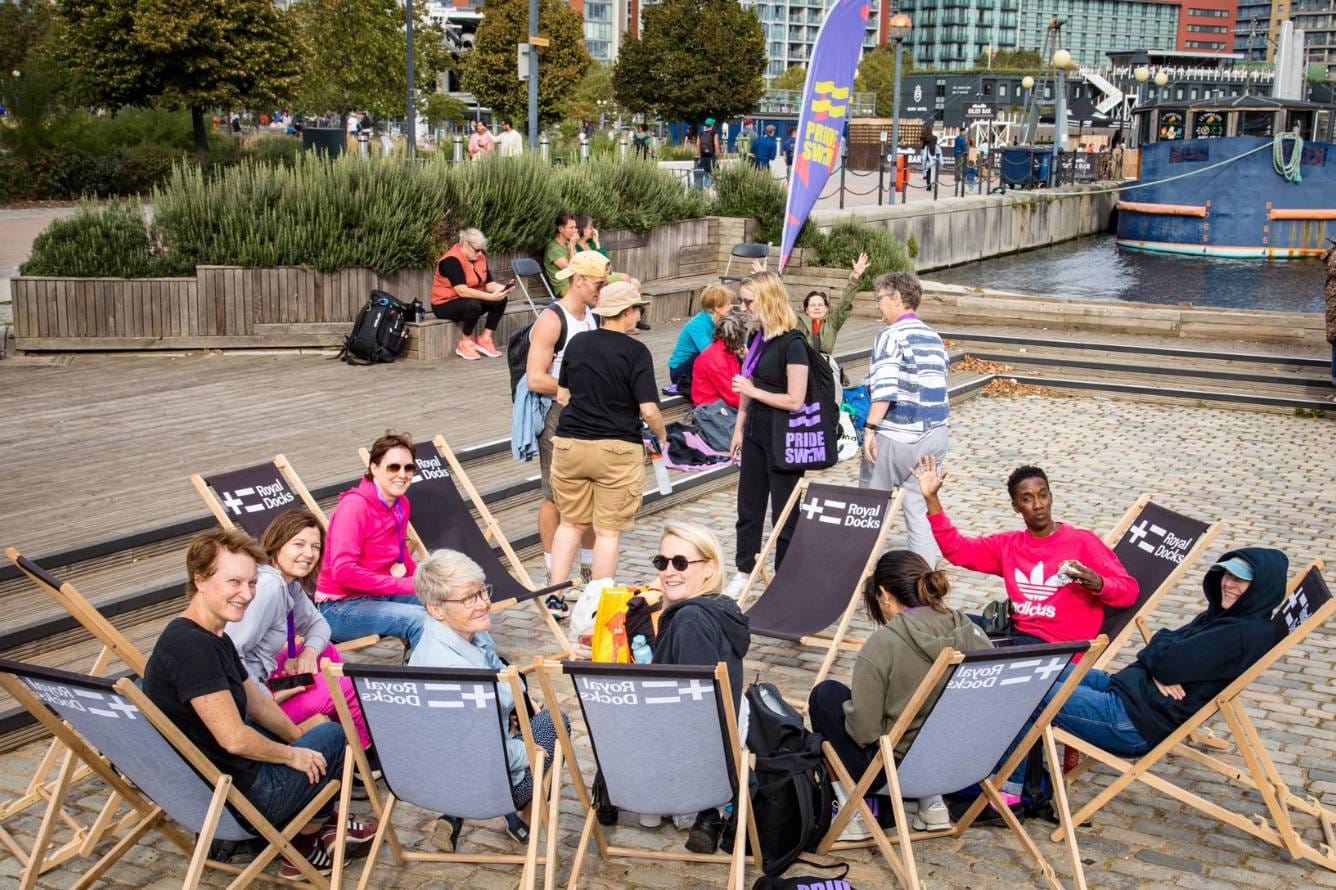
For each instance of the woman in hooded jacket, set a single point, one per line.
(366, 577)
(906, 599)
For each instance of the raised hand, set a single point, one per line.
(929, 479)
(757, 266)
(859, 267)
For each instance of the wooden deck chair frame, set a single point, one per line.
(836, 642)
(1258, 773)
(1040, 730)
(544, 805)
(492, 533)
(736, 861)
(225, 795)
(1138, 621)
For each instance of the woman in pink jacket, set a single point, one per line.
(366, 576)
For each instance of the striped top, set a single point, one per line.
(908, 370)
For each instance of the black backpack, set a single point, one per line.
(517, 349)
(791, 791)
(380, 331)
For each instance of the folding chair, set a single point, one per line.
(987, 699)
(1308, 606)
(628, 707)
(115, 730)
(835, 546)
(744, 253)
(1157, 547)
(252, 497)
(526, 267)
(441, 738)
(441, 519)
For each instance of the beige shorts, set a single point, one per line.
(598, 481)
(545, 451)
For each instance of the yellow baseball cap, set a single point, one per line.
(589, 263)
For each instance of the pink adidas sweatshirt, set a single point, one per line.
(366, 537)
(1059, 613)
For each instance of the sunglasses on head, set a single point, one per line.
(395, 469)
(661, 562)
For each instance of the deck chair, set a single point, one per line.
(441, 519)
(115, 730)
(987, 699)
(629, 708)
(1308, 606)
(744, 253)
(525, 268)
(252, 497)
(1157, 547)
(441, 738)
(835, 546)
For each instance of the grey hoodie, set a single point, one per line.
(892, 664)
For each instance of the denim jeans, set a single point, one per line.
(399, 616)
(1096, 714)
(279, 792)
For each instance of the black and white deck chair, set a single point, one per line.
(252, 497)
(53, 791)
(987, 699)
(525, 268)
(1157, 547)
(441, 519)
(116, 731)
(441, 738)
(836, 543)
(630, 710)
(1308, 606)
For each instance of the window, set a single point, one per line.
(1208, 29)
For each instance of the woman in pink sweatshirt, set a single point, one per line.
(366, 576)
(1058, 577)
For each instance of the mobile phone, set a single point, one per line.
(511, 283)
(278, 684)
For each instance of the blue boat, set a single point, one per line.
(1256, 180)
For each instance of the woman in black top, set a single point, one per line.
(198, 681)
(773, 382)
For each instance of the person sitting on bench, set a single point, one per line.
(1180, 670)
(906, 599)
(1058, 577)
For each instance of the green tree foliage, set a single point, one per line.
(876, 74)
(358, 57)
(595, 86)
(489, 70)
(693, 58)
(794, 77)
(440, 109)
(25, 24)
(200, 55)
(1011, 60)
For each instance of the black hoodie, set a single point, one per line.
(1206, 654)
(705, 630)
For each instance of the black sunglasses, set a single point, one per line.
(661, 562)
(395, 469)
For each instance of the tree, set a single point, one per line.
(489, 71)
(200, 55)
(26, 22)
(1011, 60)
(595, 87)
(441, 109)
(876, 74)
(359, 59)
(693, 58)
(794, 77)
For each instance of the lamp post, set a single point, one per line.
(1061, 61)
(898, 29)
(410, 109)
(1140, 75)
(1027, 110)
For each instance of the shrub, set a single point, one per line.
(513, 200)
(274, 150)
(838, 248)
(145, 166)
(742, 190)
(635, 195)
(96, 243)
(15, 183)
(67, 171)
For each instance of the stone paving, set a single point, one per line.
(1269, 476)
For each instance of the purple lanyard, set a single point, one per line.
(292, 637)
(401, 525)
(758, 345)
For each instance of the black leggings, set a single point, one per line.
(466, 312)
(757, 482)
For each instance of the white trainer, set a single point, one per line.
(932, 815)
(735, 588)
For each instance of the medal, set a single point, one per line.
(398, 570)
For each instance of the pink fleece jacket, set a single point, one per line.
(1059, 613)
(365, 538)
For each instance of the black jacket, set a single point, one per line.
(1206, 654)
(705, 630)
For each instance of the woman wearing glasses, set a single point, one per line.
(458, 601)
(462, 290)
(366, 576)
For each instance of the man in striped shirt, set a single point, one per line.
(909, 415)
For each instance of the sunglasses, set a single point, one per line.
(661, 562)
(396, 469)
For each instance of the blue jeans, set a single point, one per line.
(279, 792)
(1096, 714)
(399, 616)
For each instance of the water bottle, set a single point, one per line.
(660, 467)
(640, 650)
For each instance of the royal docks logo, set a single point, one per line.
(842, 513)
(257, 498)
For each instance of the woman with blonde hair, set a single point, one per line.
(716, 301)
(772, 382)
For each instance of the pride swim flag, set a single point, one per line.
(826, 109)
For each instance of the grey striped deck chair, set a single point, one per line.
(1308, 606)
(838, 538)
(252, 497)
(442, 521)
(631, 711)
(116, 731)
(441, 739)
(987, 699)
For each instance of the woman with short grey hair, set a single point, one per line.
(454, 591)
(462, 290)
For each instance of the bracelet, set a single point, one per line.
(870, 426)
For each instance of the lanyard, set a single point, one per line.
(754, 350)
(292, 637)
(400, 524)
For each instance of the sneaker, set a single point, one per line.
(704, 834)
(445, 836)
(855, 829)
(648, 820)
(683, 822)
(357, 832)
(557, 607)
(518, 829)
(932, 815)
(467, 350)
(486, 345)
(736, 587)
(643, 325)
(606, 812)
(316, 853)
(670, 389)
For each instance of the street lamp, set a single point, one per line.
(1027, 82)
(1061, 61)
(898, 29)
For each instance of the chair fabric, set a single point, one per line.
(254, 496)
(1154, 545)
(1308, 597)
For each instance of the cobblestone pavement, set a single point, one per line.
(1269, 476)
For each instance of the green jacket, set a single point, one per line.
(830, 328)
